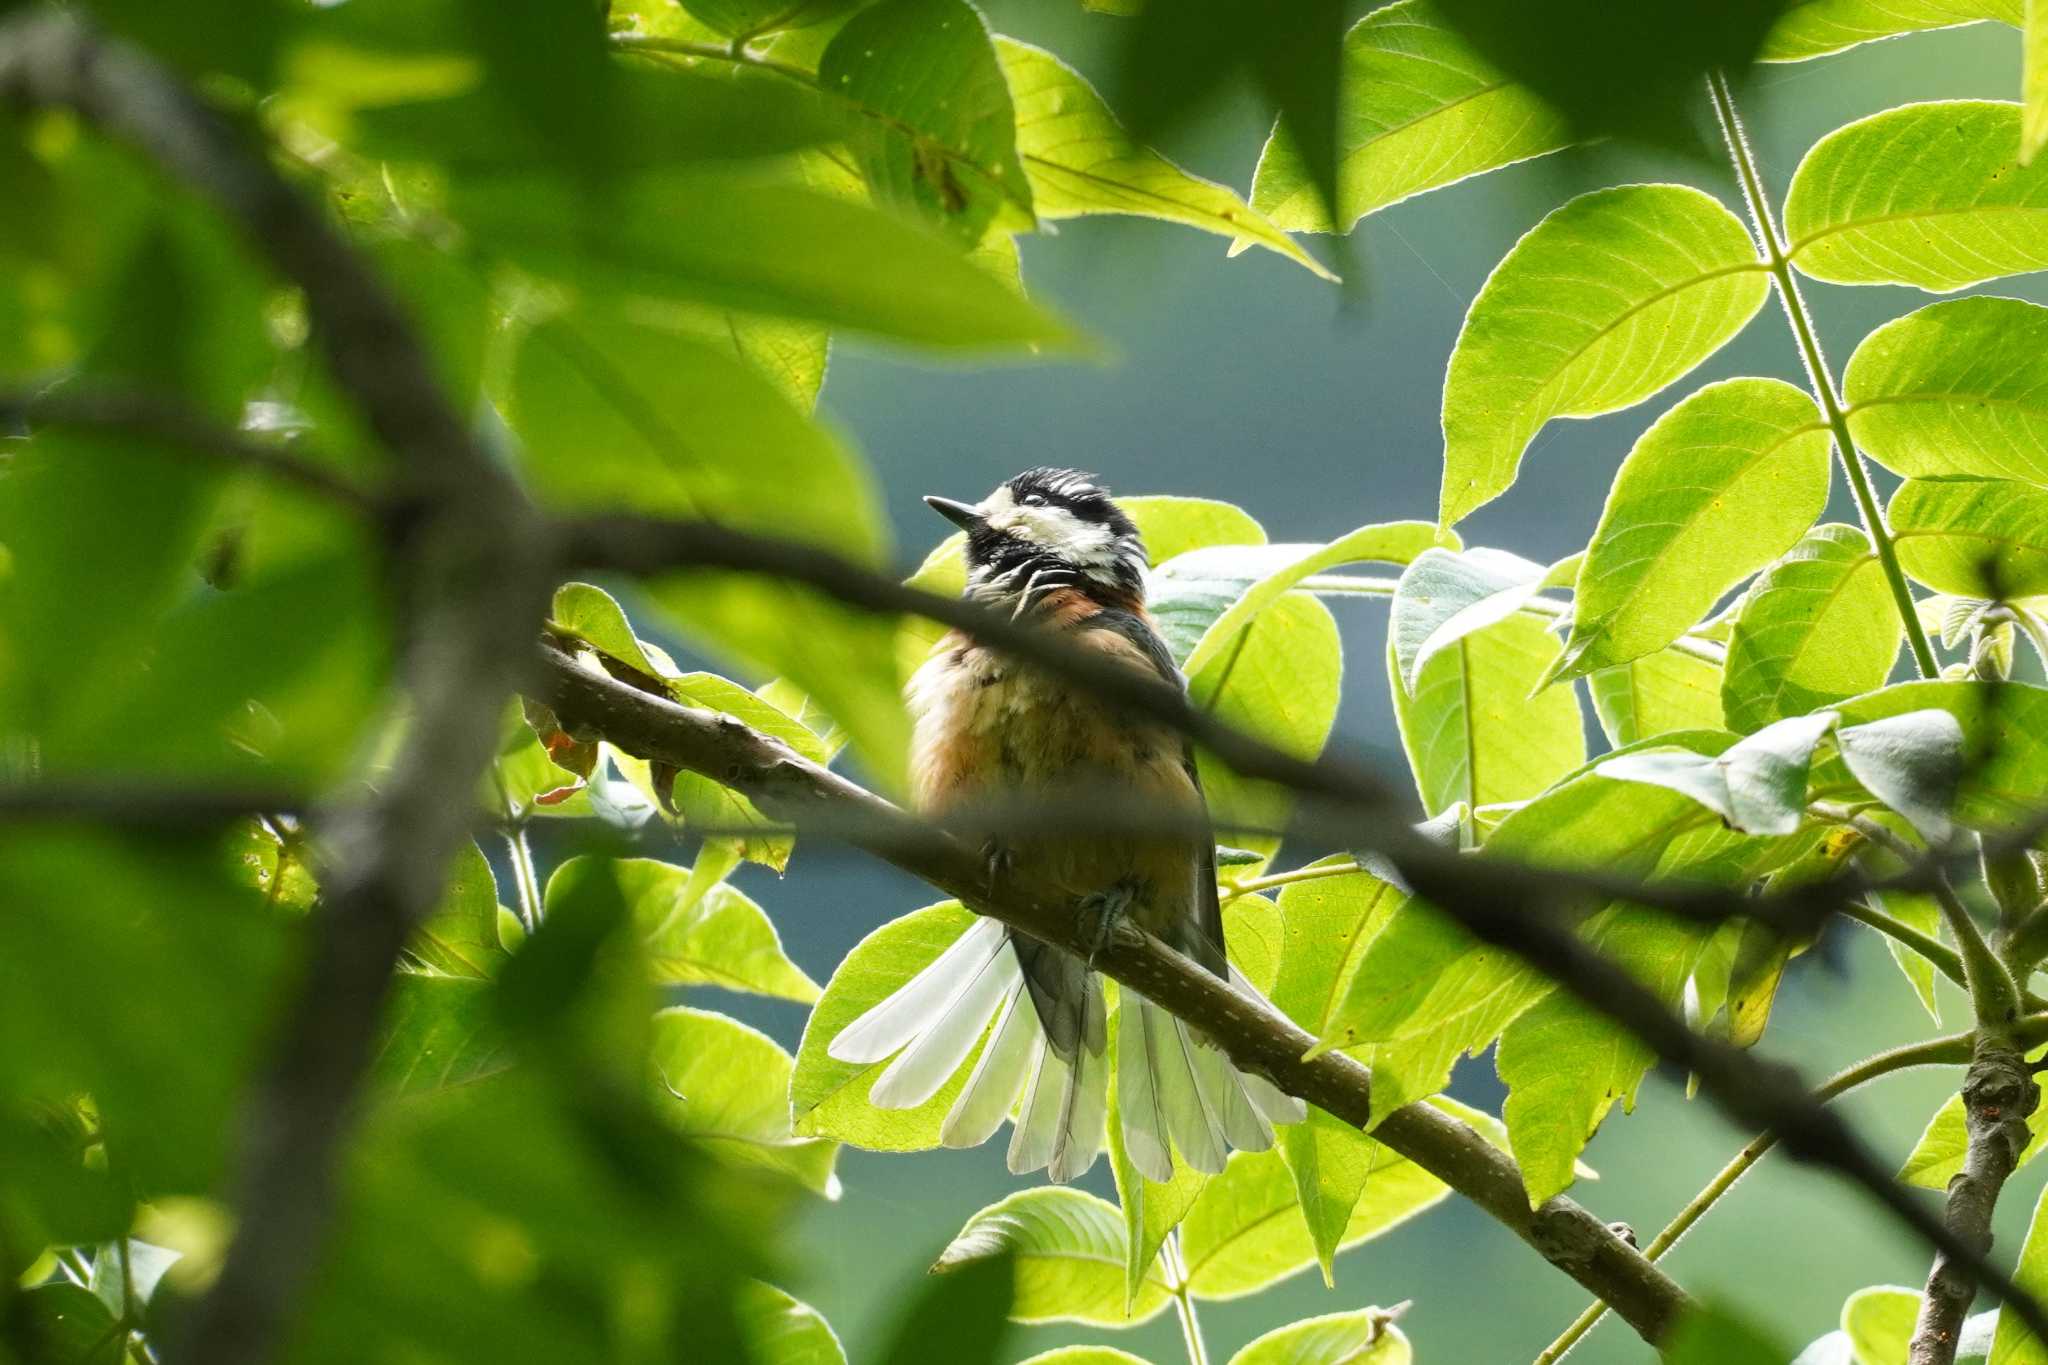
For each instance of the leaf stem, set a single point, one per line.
(1954, 1049)
(1183, 1298)
(1251, 886)
(1818, 376)
(525, 875)
(1357, 585)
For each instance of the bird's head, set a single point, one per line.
(1044, 529)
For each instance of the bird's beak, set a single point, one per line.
(959, 513)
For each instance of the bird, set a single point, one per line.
(1051, 548)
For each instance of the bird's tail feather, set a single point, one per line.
(1176, 1089)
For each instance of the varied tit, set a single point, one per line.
(1050, 548)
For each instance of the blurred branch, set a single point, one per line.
(788, 787)
(471, 592)
(136, 805)
(135, 413)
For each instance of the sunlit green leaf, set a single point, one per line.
(1816, 627)
(1757, 785)
(1445, 595)
(460, 938)
(1363, 1337)
(1565, 1064)
(1937, 1157)
(1603, 303)
(784, 1331)
(1173, 525)
(1879, 1323)
(958, 1317)
(1084, 1355)
(939, 136)
(1069, 1254)
(829, 1098)
(1983, 538)
(763, 248)
(1814, 28)
(2003, 730)
(1418, 109)
(1956, 388)
(699, 934)
(1472, 729)
(1721, 485)
(1655, 694)
(2014, 1342)
(727, 1086)
(1244, 1232)
(1202, 599)
(745, 19)
(2033, 85)
(1080, 160)
(438, 1032)
(595, 617)
(1927, 194)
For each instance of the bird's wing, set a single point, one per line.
(1207, 947)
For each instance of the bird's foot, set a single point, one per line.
(998, 859)
(1100, 915)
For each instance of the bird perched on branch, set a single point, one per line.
(1050, 548)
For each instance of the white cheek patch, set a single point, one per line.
(1059, 532)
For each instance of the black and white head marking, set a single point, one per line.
(1051, 528)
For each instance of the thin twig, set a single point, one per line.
(1818, 375)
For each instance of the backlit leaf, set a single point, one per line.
(1957, 388)
(1364, 1337)
(1602, 304)
(1879, 1323)
(1721, 485)
(1814, 28)
(1080, 160)
(1926, 194)
(1068, 1248)
(727, 1086)
(783, 1331)
(1657, 693)
(939, 136)
(1818, 626)
(1937, 1157)
(1417, 109)
(2014, 1342)
(1983, 538)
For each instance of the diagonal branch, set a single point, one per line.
(472, 592)
(788, 787)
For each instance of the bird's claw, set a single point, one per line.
(1100, 915)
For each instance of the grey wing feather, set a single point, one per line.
(1207, 947)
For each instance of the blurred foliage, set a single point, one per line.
(629, 234)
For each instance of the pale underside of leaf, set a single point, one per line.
(1815, 28)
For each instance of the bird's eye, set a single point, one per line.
(1033, 499)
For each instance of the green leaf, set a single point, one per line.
(1602, 304)
(1757, 785)
(783, 1331)
(1879, 1323)
(460, 938)
(1280, 680)
(1244, 1233)
(623, 415)
(1364, 1337)
(1815, 28)
(2015, 1343)
(1173, 525)
(1085, 1355)
(2004, 731)
(1937, 1157)
(1080, 160)
(1982, 538)
(747, 19)
(1713, 1335)
(438, 1032)
(1955, 388)
(1926, 194)
(1473, 731)
(711, 935)
(1816, 627)
(940, 137)
(829, 1098)
(1655, 694)
(1721, 485)
(1924, 914)
(1445, 595)
(1203, 598)
(1565, 1064)
(65, 1324)
(1068, 1248)
(727, 1086)
(595, 617)
(1151, 1211)
(762, 248)
(1418, 109)
(2034, 84)
(1331, 1164)
(1913, 762)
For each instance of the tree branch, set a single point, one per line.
(472, 591)
(788, 787)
